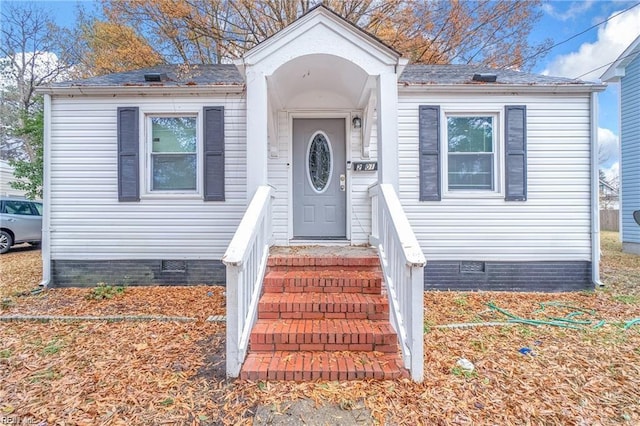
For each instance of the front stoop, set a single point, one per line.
(323, 316)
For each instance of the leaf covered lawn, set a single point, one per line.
(139, 373)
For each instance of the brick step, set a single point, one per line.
(323, 281)
(323, 305)
(330, 260)
(301, 366)
(372, 268)
(270, 335)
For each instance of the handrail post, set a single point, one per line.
(233, 324)
(402, 263)
(246, 262)
(416, 324)
(375, 216)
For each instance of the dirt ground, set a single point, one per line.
(154, 372)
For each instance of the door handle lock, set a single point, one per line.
(343, 182)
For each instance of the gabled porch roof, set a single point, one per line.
(301, 35)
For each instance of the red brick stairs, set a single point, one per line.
(323, 316)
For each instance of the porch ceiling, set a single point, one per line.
(318, 81)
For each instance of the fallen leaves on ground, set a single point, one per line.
(575, 377)
(471, 307)
(619, 271)
(173, 373)
(20, 270)
(194, 301)
(109, 373)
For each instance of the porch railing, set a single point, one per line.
(246, 262)
(403, 267)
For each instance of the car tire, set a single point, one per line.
(5, 242)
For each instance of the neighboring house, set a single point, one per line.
(6, 177)
(626, 71)
(609, 197)
(148, 173)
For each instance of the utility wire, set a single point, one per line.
(605, 65)
(580, 33)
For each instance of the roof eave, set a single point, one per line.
(140, 90)
(502, 88)
(616, 71)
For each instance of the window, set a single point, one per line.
(21, 208)
(319, 162)
(471, 153)
(173, 153)
(462, 153)
(177, 158)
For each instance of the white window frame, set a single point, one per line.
(148, 146)
(498, 151)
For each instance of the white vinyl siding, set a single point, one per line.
(360, 183)
(554, 222)
(6, 177)
(630, 151)
(88, 222)
(278, 170)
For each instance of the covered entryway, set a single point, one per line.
(321, 68)
(321, 104)
(319, 179)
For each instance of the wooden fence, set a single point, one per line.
(610, 220)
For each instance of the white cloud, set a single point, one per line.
(613, 37)
(575, 9)
(608, 146)
(44, 64)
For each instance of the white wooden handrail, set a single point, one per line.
(246, 262)
(403, 267)
(409, 243)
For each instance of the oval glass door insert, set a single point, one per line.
(319, 162)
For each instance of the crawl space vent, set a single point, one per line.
(471, 267)
(174, 266)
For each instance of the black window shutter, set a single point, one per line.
(516, 153)
(128, 154)
(429, 146)
(213, 153)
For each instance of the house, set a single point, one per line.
(6, 177)
(626, 71)
(609, 198)
(323, 135)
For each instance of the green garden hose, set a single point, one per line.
(564, 322)
(631, 323)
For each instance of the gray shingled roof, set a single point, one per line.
(177, 75)
(462, 74)
(227, 74)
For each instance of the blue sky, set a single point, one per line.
(561, 20)
(589, 51)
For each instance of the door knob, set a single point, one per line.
(343, 182)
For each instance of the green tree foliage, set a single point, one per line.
(33, 51)
(29, 174)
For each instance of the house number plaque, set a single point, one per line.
(365, 166)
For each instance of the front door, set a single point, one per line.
(319, 178)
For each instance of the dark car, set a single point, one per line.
(20, 222)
